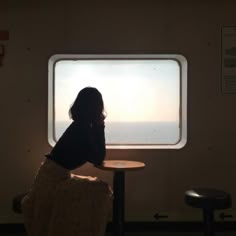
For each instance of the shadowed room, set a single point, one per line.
(118, 118)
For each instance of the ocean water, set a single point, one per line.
(134, 132)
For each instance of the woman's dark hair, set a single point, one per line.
(88, 106)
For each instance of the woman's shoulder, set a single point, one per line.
(79, 124)
(86, 125)
(73, 129)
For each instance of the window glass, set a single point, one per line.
(144, 98)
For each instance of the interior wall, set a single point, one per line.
(193, 29)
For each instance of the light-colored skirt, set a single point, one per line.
(61, 204)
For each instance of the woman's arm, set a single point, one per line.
(97, 143)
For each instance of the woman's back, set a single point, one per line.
(81, 142)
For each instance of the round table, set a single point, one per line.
(119, 167)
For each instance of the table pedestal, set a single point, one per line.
(119, 203)
(119, 167)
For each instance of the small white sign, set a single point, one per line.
(228, 77)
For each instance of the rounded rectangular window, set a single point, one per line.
(145, 97)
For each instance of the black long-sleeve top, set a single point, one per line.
(81, 142)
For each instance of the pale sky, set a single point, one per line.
(133, 91)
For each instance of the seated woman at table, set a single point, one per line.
(60, 203)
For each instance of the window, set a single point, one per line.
(145, 97)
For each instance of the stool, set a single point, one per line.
(209, 200)
(16, 203)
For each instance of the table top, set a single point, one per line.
(121, 165)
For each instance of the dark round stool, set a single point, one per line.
(16, 202)
(209, 200)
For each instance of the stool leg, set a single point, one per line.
(208, 217)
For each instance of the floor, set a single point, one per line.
(153, 234)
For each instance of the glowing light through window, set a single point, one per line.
(144, 97)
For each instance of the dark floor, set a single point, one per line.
(148, 234)
(160, 229)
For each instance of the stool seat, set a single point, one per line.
(208, 198)
(16, 203)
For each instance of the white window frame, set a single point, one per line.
(180, 59)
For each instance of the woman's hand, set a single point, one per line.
(82, 177)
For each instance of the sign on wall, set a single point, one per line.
(228, 60)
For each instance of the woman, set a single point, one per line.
(84, 139)
(59, 202)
